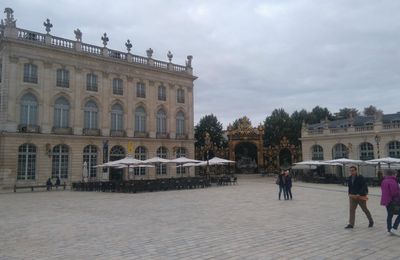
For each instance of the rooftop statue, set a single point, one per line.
(48, 25)
(105, 39)
(149, 53)
(9, 21)
(128, 45)
(78, 35)
(169, 55)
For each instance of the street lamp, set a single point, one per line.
(207, 146)
(378, 140)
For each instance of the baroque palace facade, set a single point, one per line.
(65, 105)
(361, 138)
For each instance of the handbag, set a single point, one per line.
(394, 207)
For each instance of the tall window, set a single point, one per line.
(117, 114)
(366, 151)
(118, 87)
(90, 157)
(162, 93)
(161, 168)
(317, 153)
(180, 96)
(62, 78)
(61, 113)
(180, 152)
(30, 73)
(26, 162)
(60, 161)
(140, 153)
(140, 120)
(140, 90)
(161, 122)
(29, 110)
(180, 123)
(91, 111)
(394, 149)
(339, 151)
(91, 82)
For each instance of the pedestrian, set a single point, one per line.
(49, 184)
(288, 184)
(358, 191)
(390, 192)
(282, 187)
(58, 182)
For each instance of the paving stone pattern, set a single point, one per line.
(244, 221)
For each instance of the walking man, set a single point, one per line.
(358, 191)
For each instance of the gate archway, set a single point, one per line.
(246, 157)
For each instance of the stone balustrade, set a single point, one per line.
(77, 45)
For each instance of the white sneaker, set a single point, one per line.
(395, 232)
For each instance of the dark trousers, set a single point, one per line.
(285, 194)
(389, 219)
(354, 202)
(289, 192)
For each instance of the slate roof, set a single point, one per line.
(357, 121)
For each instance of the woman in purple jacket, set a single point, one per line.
(390, 191)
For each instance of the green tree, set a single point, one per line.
(318, 114)
(210, 124)
(277, 126)
(297, 119)
(371, 111)
(347, 113)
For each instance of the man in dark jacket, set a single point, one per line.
(358, 191)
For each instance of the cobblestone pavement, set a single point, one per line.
(244, 221)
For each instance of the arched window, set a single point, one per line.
(180, 123)
(60, 161)
(366, 151)
(161, 168)
(317, 152)
(26, 162)
(161, 122)
(180, 152)
(91, 111)
(61, 113)
(140, 153)
(339, 151)
(117, 114)
(394, 149)
(117, 152)
(29, 110)
(140, 120)
(90, 157)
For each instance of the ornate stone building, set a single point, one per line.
(64, 103)
(362, 138)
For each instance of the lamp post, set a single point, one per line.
(378, 140)
(207, 147)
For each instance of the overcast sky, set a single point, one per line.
(251, 57)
